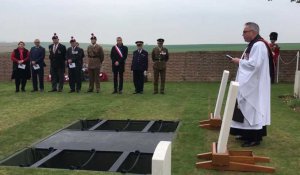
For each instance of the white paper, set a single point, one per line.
(21, 66)
(72, 65)
(36, 67)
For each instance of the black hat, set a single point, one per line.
(54, 36)
(93, 37)
(72, 39)
(160, 40)
(273, 36)
(139, 42)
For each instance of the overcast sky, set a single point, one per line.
(177, 21)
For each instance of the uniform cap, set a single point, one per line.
(72, 39)
(54, 36)
(139, 42)
(273, 36)
(93, 36)
(160, 40)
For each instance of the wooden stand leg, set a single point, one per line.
(212, 123)
(233, 161)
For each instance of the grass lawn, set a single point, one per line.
(27, 117)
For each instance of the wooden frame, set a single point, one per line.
(233, 161)
(213, 123)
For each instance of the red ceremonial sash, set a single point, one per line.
(119, 51)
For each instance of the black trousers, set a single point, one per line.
(38, 75)
(254, 135)
(57, 77)
(75, 78)
(118, 83)
(20, 77)
(21, 81)
(138, 80)
(249, 134)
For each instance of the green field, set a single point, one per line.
(28, 117)
(173, 48)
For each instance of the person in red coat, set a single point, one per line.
(21, 66)
(274, 46)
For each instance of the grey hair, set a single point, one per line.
(253, 26)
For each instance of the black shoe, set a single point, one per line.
(34, 90)
(240, 138)
(23, 90)
(114, 92)
(250, 144)
(17, 90)
(120, 92)
(77, 90)
(162, 92)
(53, 90)
(89, 91)
(71, 91)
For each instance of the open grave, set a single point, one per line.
(125, 146)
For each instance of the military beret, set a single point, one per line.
(54, 36)
(160, 40)
(93, 37)
(273, 36)
(72, 39)
(139, 42)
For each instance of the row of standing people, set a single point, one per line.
(31, 63)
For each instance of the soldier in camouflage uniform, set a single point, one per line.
(160, 56)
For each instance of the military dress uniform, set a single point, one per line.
(275, 51)
(138, 66)
(95, 58)
(76, 55)
(160, 56)
(57, 65)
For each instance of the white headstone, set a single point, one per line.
(161, 160)
(227, 117)
(218, 107)
(297, 85)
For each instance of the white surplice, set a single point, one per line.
(254, 90)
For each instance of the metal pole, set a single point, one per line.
(297, 64)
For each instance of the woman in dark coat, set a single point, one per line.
(21, 66)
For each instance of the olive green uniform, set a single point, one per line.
(95, 59)
(160, 56)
